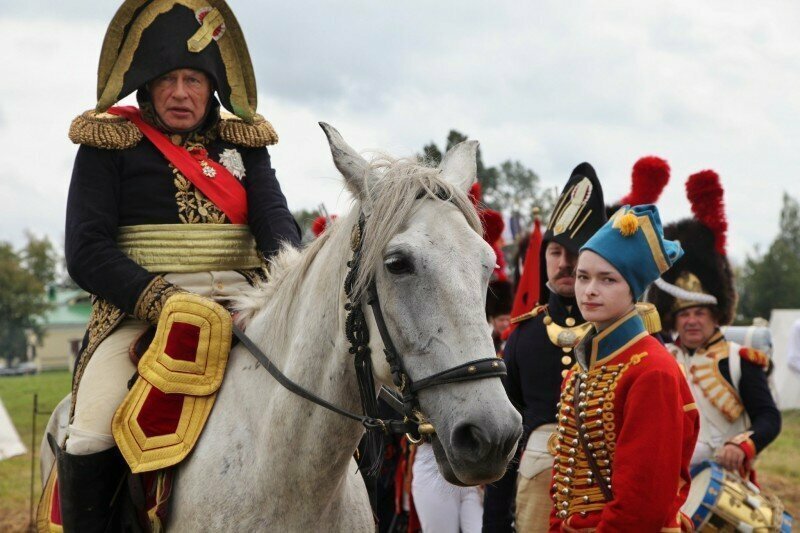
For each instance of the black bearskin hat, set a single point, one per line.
(499, 299)
(703, 276)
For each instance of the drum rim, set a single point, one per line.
(700, 515)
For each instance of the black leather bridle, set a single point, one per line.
(413, 422)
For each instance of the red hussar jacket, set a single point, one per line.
(640, 425)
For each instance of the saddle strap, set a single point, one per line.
(601, 481)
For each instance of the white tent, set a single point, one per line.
(787, 381)
(10, 443)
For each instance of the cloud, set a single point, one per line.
(705, 85)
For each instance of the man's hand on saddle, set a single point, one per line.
(731, 457)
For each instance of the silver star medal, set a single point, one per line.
(232, 160)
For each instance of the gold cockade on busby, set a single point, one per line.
(148, 38)
(703, 276)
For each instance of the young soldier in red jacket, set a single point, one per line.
(627, 423)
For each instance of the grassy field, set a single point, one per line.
(778, 467)
(15, 474)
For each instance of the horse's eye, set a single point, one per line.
(399, 265)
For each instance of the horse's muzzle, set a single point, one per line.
(476, 454)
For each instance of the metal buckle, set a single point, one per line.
(409, 436)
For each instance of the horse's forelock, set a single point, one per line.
(393, 196)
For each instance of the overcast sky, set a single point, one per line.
(708, 84)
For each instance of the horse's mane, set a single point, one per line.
(392, 193)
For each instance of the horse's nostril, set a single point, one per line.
(467, 438)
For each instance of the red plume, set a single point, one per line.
(493, 224)
(705, 193)
(320, 224)
(475, 194)
(648, 179)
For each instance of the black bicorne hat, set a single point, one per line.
(579, 212)
(148, 38)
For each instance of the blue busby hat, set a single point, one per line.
(633, 242)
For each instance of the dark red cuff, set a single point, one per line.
(749, 448)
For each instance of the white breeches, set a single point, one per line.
(441, 506)
(104, 382)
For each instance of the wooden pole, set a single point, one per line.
(33, 454)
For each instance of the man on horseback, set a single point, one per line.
(171, 196)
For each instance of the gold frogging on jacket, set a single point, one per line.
(575, 490)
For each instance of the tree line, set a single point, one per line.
(771, 279)
(25, 274)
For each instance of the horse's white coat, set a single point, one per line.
(271, 461)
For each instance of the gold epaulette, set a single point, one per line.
(533, 313)
(649, 315)
(256, 135)
(104, 130)
(757, 357)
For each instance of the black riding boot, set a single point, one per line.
(87, 486)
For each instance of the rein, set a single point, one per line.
(390, 426)
(414, 423)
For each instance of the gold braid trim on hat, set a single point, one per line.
(104, 130)
(256, 135)
(120, 46)
(692, 294)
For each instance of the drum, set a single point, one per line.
(722, 501)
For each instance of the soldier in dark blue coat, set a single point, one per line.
(170, 196)
(539, 353)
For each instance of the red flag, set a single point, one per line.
(528, 289)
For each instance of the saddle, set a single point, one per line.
(169, 400)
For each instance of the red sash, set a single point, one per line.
(211, 178)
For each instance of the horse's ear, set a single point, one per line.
(459, 165)
(353, 167)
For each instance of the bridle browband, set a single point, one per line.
(413, 424)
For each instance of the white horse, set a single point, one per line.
(269, 460)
